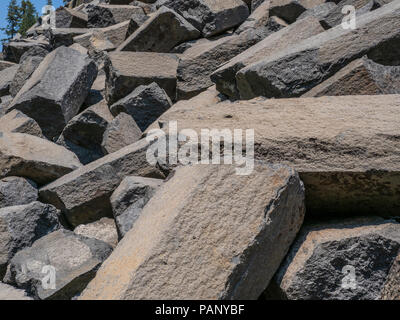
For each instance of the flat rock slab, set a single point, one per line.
(360, 77)
(290, 10)
(105, 15)
(346, 148)
(206, 234)
(350, 260)
(21, 226)
(6, 77)
(164, 30)
(84, 194)
(211, 17)
(5, 64)
(72, 258)
(17, 122)
(225, 76)
(103, 229)
(23, 73)
(16, 191)
(296, 70)
(13, 51)
(125, 71)
(34, 158)
(56, 90)
(67, 18)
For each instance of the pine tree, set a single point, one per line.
(28, 16)
(49, 2)
(13, 20)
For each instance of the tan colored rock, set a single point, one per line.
(84, 195)
(346, 148)
(104, 230)
(225, 76)
(206, 234)
(17, 122)
(31, 157)
(391, 290)
(290, 10)
(10, 293)
(360, 77)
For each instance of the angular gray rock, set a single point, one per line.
(24, 72)
(83, 134)
(121, 132)
(64, 36)
(225, 76)
(17, 122)
(164, 30)
(21, 226)
(34, 158)
(258, 18)
(129, 199)
(6, 78)
(10, 293)
(103, 229)
(350, 260)
(292, 72)
(16, 191)
(319, 12)
(56, 90)
(98, 180)
(211, 17)
(73, 260)
(5, 65)
(290, 10)
(36, 51)
(345, 147)
(206, 234)
(67, 18)
(360, 77)
(145, 104)
(105, 15)
(125, 71)
(200, 61)
(13, 50)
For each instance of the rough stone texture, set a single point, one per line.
(35, 51)
(21, 226)
(116, 34)
(83, 134)
(335, 16)
(16, 191)
(12, 51)
(103, 15)
(258, 18)
(313, 269)
(64, 36)
(125, 71)
(292, 72)
(211, 17)
(290, 10)
(121, 132)
(200, 61)
(164, 30)
(145, 104)
(345, 148)
(5, 65)
(99, 179)
(205, 229)
(360, 77)
(225, 76)
(34, 158)
(129, 199)
(67, 18)
(4, 103)
(23, 73)
(10, 293)
(75, 259)
(319, 12)
(17, 122)
(6, 78)
(391, 290)
(56, 90)
(103, 229)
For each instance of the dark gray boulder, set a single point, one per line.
(24, 72)
(145, 104)
(16, 191)
(6, 78)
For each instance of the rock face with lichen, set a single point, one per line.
(294, 116)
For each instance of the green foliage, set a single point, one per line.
(13, 19)
(28, 16)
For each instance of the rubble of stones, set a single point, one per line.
(317, 218)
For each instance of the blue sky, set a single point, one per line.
(37, 3)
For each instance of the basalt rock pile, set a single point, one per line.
(85, 212)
